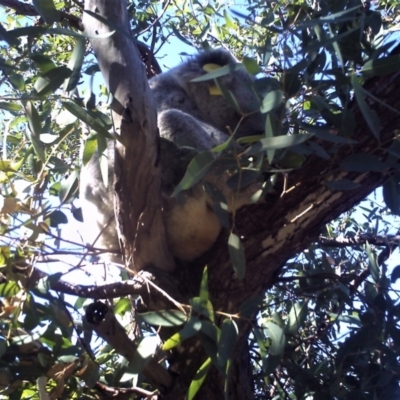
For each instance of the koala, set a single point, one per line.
(191, 116)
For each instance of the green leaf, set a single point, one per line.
(10, 106)
(47, 10)
(260, 339)
(270, 132)
(68, 187)
(9, 289)
(44, 63)
(236, 253)
(360, 162)
(225, 70)
(391, 194)
(204, 288)
(44, 285)
(229, 21)
(35, 130)
(251, 66)
(50, 81)
(122, 306)
(196, 170)
(143, 354)
(297, 316)
(202, 308)
(85, 116)
(272, 100)
(370, 116)
(381, 66)
(89, 149)
(227, 340)
(198, 379)
(7, 37)
(163, 317)
(17, 81)
(37, 31)
(277, 142)
(277, 347)
(210, 330)
(373, 264)
(191, 328)
(291, 83)
(57, 217)
(75, 64)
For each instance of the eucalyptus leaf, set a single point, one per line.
(236, 253)
(196, 169)
(163, 317)
(382, 66)
(198, 379)
(277, 142)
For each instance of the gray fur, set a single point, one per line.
(187, 116)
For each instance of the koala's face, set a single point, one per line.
(216, 110)
(247, 119)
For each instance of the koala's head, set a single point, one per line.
(208, 97)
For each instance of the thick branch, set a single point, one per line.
(388, 240)
(137, 177)
(109, 329)
(136, 286)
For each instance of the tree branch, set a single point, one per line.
(108, 328)
(136, 286)
(377, 240)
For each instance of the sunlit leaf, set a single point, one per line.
(68, 187)
(163, 317)
(297, 316)
(75, 64)
(50, 81)
(198, 379)
(47, 10)
(236, 253)
(271, 101)
(190, 329)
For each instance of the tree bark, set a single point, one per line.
(138, 202)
